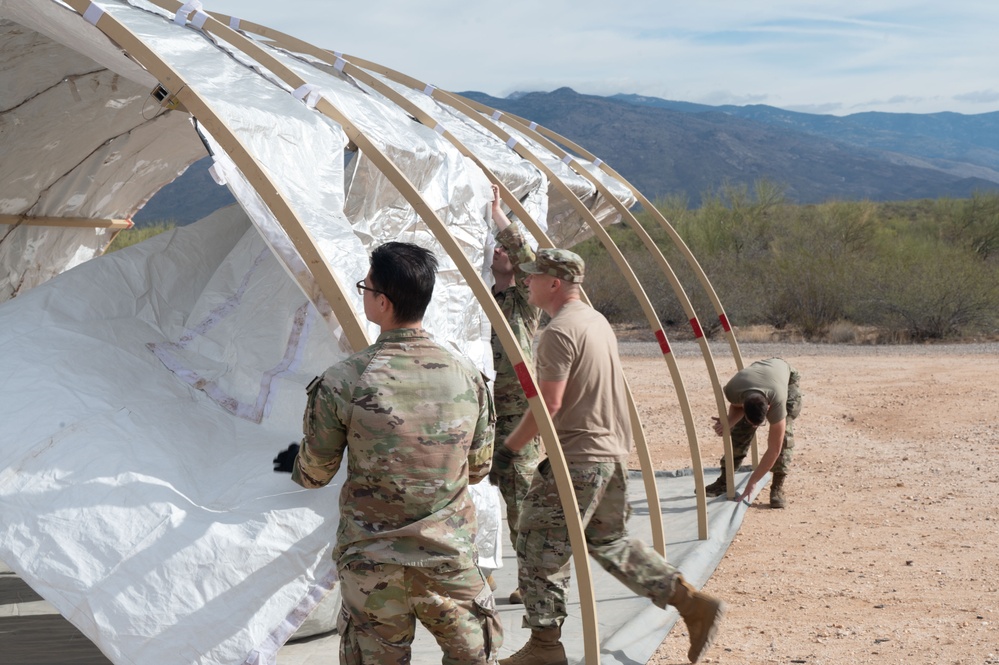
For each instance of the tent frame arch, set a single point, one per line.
(326, 279)
(348, 68)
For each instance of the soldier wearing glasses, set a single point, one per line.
(415, 423)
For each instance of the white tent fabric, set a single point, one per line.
(106, 159)
(140, 506)
(145, 513)
(145, 392)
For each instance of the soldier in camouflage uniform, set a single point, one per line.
(766, 391)
(415, 423)
(580, 379)
(510, 292)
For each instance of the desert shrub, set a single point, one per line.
(842, 332)
(136, 235)
(975, 225)
(606, 287)
(930, 291)
(898, 271)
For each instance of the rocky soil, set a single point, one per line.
(888, 551)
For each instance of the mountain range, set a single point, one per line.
(680, 149)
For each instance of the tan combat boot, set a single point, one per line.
(702, 614)
(777, 499)
(544, 648)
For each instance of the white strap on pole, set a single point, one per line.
(497, 115)
(199, 20)
(533, 126)
(338, 54)
(234, 23)
(598, 161)
(339, 64)
(440, 129)
(180, 18)
(512, 142)
(567, 159)
(307, 93)
(429, 90)
(93, 14)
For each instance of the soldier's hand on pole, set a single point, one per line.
(717, 425)
(285, 460)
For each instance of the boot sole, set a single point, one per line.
(712, 633)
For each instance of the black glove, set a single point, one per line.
(503, 459)
(285, 460)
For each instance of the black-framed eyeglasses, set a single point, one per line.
(361, 288)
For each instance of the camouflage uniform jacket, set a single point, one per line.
(523, 319)
(416, 423)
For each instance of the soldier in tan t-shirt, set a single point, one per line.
(581, 381)
(766, 391)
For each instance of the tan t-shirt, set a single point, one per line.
(579, 346)
(769, 377)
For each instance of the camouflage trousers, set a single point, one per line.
(381, 603)
(742, 432)
(514, 483)
(543, 549)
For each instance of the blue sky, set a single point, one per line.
(817, 57)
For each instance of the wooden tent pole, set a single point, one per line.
(678, 290)
(601, 234)
(548, 138)
(646, 205)
(67, 222)
(287, 41)
(684, 250)
(269, 192)
(666, 269)
(648, 471)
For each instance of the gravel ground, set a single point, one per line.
(886, 551)
(756, 350)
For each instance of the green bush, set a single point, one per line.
(929, 292)
(915, 270)
(136, 235)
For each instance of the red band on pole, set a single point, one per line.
(526, 382)
(724, 321)
(696, 325)
(663, 342)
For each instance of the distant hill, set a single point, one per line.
(678, 148)
(666, 147)
(187, 199)
(962, 144)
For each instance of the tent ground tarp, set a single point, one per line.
(632, 628)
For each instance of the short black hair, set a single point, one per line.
(755, 406)
(405, 274)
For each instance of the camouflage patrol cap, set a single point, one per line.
(559, 263)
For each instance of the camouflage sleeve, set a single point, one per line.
(517, 249)
(515, 245)
(322, 449)
(480, 453)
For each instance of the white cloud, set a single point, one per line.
(891, 55)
